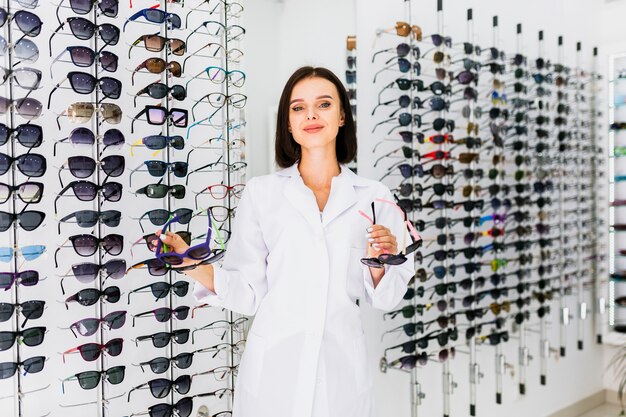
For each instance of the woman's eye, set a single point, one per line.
(325, 105)
(297, 108)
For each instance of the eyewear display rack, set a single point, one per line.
(531, 119)
(16, 297)
(103, 397)
(218, 136)
(617, 195)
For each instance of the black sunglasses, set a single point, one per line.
(162, 289)
(30, 337)
(162, 339)
(29, 136)
(29, 164)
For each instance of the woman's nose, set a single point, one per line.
(311, 114)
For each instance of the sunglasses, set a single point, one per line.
(31, 366)
(158, 142)
(157, 66)
(162, 289)
(156, 16)
(91, 379)
(87, 245)
(161, 190)
(29, 337)
(25, 278)
(27, 22)
(159, 217)
(162, 339)
(90, 296)
(164, 314)
(85, 83)
(87, 272)
(161, 387)
(87, 191)
(91, 351)
(29, 253)
(157, 115)
(29, 136)
(82, 112)
(200, 252)
(28, 220)
(84, 136)
(82, 56)
(84, 29)
(29, 164)
(89, 218)
(31, 310)
(156, 43)
(28, 108)
(162, 364)
(84, 166)
(158, 168)
(108, 8)
(404, 29)
(89, 326)
(26, 78)
(29, 192)
(159, 90)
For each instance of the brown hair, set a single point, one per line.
(288, 151)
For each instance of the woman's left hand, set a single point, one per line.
(380, 240)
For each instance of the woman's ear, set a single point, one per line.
(342, 118)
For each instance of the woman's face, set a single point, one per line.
(315, 113)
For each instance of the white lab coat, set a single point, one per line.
(300, 273)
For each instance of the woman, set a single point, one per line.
(294, 260)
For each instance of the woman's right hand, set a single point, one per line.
(174, 242)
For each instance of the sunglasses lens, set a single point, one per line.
(183, 360)
(28, 108)
(82, 56)
(33, 336)
(108, 61)
(25, 50)
(112, 294)
(81, 166)
(154, 43)
(115, 269)
(111, 88)
(109, 34)
(28, 22)
(112, 113)
(81, 28)
(179, 117)
(156, 115)
(33, 365)
(155, 65)
(159, 365)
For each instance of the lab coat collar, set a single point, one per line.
(342, 197)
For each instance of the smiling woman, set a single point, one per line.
(313, 102)
(305, 352)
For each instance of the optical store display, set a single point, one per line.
(138, 124)
(479, 145)
(109, 156)
(617, 114)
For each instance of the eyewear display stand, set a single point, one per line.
(474, 367)
(544, 343)
(578, 159)
(16, 297)
(598, 223)
(616, 318)
(563, 309)
(499, 355)
(523, 356)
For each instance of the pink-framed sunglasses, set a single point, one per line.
(388, 258)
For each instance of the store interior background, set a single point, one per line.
(314, 33)
(282, 35)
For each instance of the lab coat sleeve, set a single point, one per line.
(241, 282)
(392, 286)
